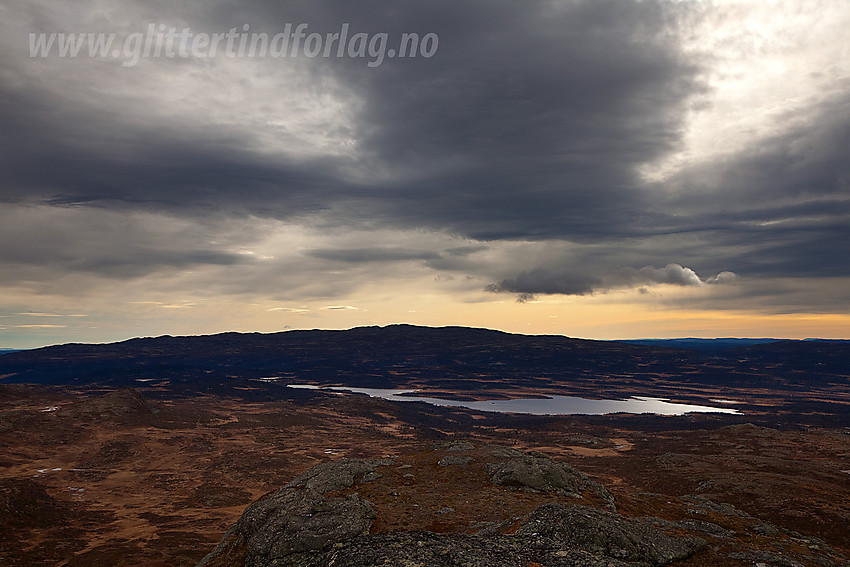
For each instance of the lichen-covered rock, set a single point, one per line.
(454, 460)
(288, 527)
(535, 472)
(604, 533)
(333, 475)
(426, 549)
(538, 472)
(370, 477)
(307, 524)
(554, 535)
(460, 446)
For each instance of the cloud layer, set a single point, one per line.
(545, 281)
(564, 148)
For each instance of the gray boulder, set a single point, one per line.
(535, 472)
(454, 460)
(426, 549)
(333, 475)
(289, 526)
(540, 473)
(604, 533)
(553, 535)
(305, 524)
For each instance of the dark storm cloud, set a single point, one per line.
(541, 280)
(526, 124)
(804, 165)
(68, 156)
(43, 248)
(148, 261)
(530, 120)
(566, 282)
(465, 250)
(780, 209)
(358, 255)
(529, 123)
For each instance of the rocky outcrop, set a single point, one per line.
(334, 475)
(454, 460)
(292, 525)
(553, 535)
(602, 533)
(538, 472)
(286, 528)
(535, 471)
(315, 522)
(519, 550)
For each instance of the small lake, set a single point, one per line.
(551, 405)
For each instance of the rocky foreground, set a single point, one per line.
(459, 504)
(116, 478)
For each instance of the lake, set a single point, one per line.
(550, 405)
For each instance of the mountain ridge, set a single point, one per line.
(456, 358)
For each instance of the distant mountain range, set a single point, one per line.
(714, 344)
(455, 358)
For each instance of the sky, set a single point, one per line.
(599, 169)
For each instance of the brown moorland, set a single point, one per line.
(116, 478)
